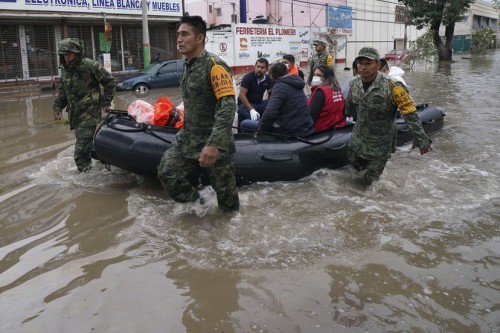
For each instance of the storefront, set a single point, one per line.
(31, 29)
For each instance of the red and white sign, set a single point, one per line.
(106, 58)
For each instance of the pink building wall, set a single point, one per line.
(291, 13)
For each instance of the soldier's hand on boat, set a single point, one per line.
(57, 115)
(254, 115)
(106, 109)
(424, 150)
(208, 156)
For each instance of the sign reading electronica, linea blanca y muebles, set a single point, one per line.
(155, 7)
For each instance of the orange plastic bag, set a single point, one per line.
(165, 114)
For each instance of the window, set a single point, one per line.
(401, 14)
(218, 11)
(494, 24)
(84, 33)
(10, 53)
(171, 67)
(41, 47)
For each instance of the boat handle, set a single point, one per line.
(277, 158)
(334, 148)
(430, 121)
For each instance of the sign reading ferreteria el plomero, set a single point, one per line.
(245, 43)
(155, 7)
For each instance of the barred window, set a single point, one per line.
(41, 49)
(10, 53)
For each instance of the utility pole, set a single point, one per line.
(292, 14)
(106, 50)
(145, 35)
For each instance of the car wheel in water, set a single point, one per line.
(141, 90)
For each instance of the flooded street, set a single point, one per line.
(109, 251)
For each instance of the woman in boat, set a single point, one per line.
(287, 112)
(326, 101)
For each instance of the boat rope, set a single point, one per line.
(288, 138)
(140, 127)
(148, 130)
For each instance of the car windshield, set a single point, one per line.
(396, 52)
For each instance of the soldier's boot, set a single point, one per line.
(374, 170)
(83, 147)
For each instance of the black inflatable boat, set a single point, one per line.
(122, 142)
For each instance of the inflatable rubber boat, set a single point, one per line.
(122, 142)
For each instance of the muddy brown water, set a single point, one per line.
(109, 251)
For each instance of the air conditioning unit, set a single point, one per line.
(260, 19)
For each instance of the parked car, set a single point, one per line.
(161, 75)
(396, 55)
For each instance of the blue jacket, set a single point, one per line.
(287, 112)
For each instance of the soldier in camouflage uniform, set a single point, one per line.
(80, 93)
(206, 140)
(321, 57)
(373, 100)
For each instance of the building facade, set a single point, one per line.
(351, 24)
(31, 29)
(348, 25)
(480, 15)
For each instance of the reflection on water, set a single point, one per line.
(109, 251)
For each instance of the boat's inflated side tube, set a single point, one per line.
(135, 147)
(432, 120)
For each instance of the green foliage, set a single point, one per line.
(423, 47)
(425, 13)
(481, 41)
(433, 14)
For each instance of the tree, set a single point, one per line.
(423, 47)
(481, 41)
(433, 14)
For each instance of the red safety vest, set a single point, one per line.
(332, 113)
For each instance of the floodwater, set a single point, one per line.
(109, 251)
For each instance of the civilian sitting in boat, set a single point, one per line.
(326, 101)
(346, 85)
(289, 61)
(394, 72)
(287, 112)
(251, 101)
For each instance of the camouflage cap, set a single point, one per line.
(318, 42)
(368, 52)
(70, 45)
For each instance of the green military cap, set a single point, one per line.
(368, 52)
(318, 42)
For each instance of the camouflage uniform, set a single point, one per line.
(80, 94)
(319, 59)
(372, 137)
(207, 122)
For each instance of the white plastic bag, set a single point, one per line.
(141, 111)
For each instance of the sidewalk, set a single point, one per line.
(8, 89)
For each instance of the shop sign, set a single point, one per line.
(131, 7)
(246, 43)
